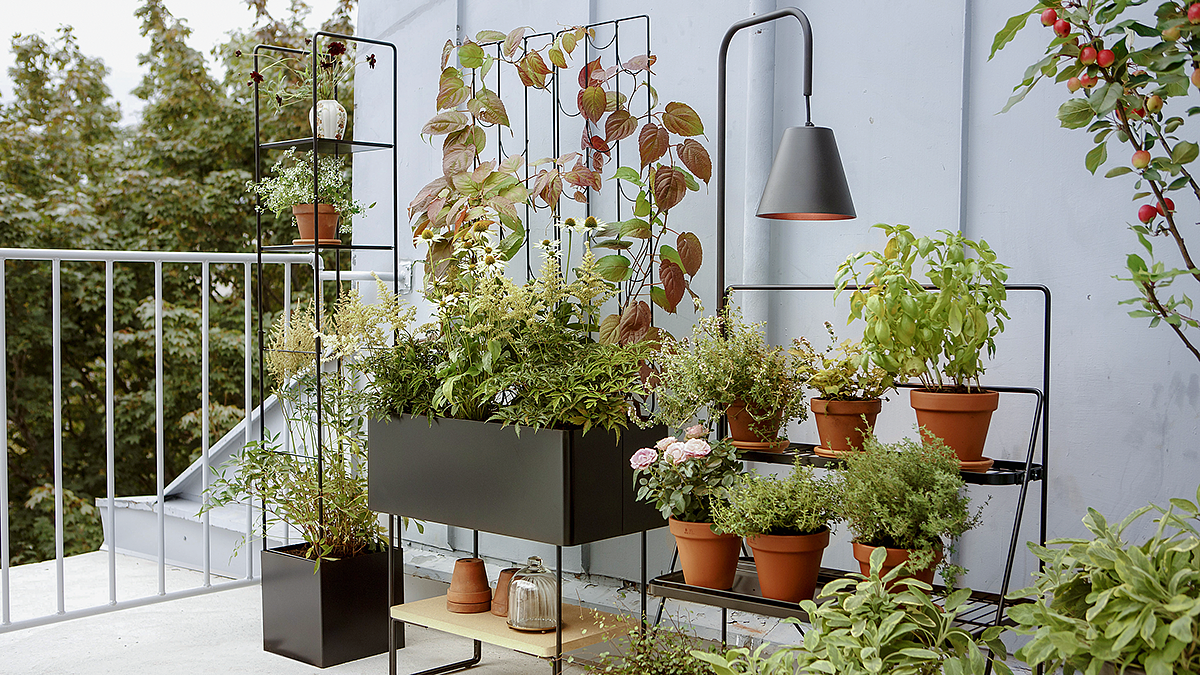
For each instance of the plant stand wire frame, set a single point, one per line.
(319, 146)
(745, 596)
(556, 142)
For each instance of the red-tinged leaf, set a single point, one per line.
(696, 159)
(679, 118)
(568, 42)
(511, 164)
(608, 329)
(447, 50)
(642, 62)
(484, 37)
(591, 103)
(446, 122)
(457, 159)
(690, 252)
(634, 324)
(435, 209)
(659, 296)
(511, 40)
(614, 100)
(504, 207)
(598, 162)
(598, 144)
(420, 225)
(488, 107)
(619, 125)
(673, 283)
(481, 172)
(582, 176)
(426, 195)
(585, 73)
(533, 70)
(669, 187)
(451, 90)
(553, 191)
(472, 135)
(537, 64)
(580, 197)
(602, 75)
(557, 58)
(653, 142)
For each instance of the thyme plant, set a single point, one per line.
(799, 503)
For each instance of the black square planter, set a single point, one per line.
(557, 486)
(336, 615)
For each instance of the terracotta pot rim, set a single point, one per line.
(322, 207)
(982, 401)
(679, 529)
(895, 556)
(789, 543)
(824, 406)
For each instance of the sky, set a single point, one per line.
(108, 29)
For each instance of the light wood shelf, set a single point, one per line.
(581, 627)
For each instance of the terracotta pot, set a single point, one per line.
(327, 222)
(500, 597)
(740, 430)
(708, 559)
(961, 420)
(895, 556)
(840, 423)
(788, 565)
(469, 591)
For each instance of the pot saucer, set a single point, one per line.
(323, 242)
(777, 445)
(978, 466)
(822, 451)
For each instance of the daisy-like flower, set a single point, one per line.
(493, 263)
(548, 246)
(591, 224)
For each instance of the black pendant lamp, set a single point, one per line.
(807, 181)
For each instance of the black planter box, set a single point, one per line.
(554, 486)
(337, 615)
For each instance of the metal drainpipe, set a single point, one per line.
(965, 119)
(760, 148)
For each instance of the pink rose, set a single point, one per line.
(643, 458)
(676, 452)
(696, 431)
(696, 447)
(662, 445)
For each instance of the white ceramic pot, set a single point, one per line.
(328, 119)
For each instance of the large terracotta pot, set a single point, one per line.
(708, 559)
(746, 438)
(788, 565)
(327, 222)
(895, 556)
(469, 590)
(961, 420)
(840, 423)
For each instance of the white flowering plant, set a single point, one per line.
(684, 476)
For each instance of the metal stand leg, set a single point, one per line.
(476, 656)
(663, 601)
(724, 627)
(557, 665)
(645, 613)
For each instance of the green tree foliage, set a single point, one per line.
(71, 177)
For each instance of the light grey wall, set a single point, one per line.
(890, 80)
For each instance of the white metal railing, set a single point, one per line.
(56, 257)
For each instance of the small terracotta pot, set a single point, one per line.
(327, 221)
(708, 559)
(788, 565)
(500, 597)
(740, 430)
(469, 591)
(895, 556)
(840, 423)
(961, 420)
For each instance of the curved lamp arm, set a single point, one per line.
(721, 68)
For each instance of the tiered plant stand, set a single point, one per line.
(985, 608)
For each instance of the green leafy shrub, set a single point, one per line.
(292, 185)
(662, 649)
(799, 503)
(1104, 600)
(726, 360)
(844, 376)
(906, 495)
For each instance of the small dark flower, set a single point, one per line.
(371, 61)
(278, 100)
(308, 41)
(237, 52)
(327, 63)
(337, 48)
(255, 78)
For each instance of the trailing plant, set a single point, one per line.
(685, 478)
(292, 185)
(906, 495)
(937, 334)
(459, 214)
(726, 360)
(326, 501)
(842, 376)
(799, 503)
(1127, 67)
(659, 649)
(1104, 600)
(287, 78)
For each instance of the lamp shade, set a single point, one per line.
(807, 181)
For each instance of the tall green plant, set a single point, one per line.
(937, 334)
(1126, 68)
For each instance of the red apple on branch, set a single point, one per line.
(1062, 28)
(1170, 207)
(1147, 213)
(1193, 13)
(1049, 17)
(1141, 159)
(1087, 55)
(1105, 58)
